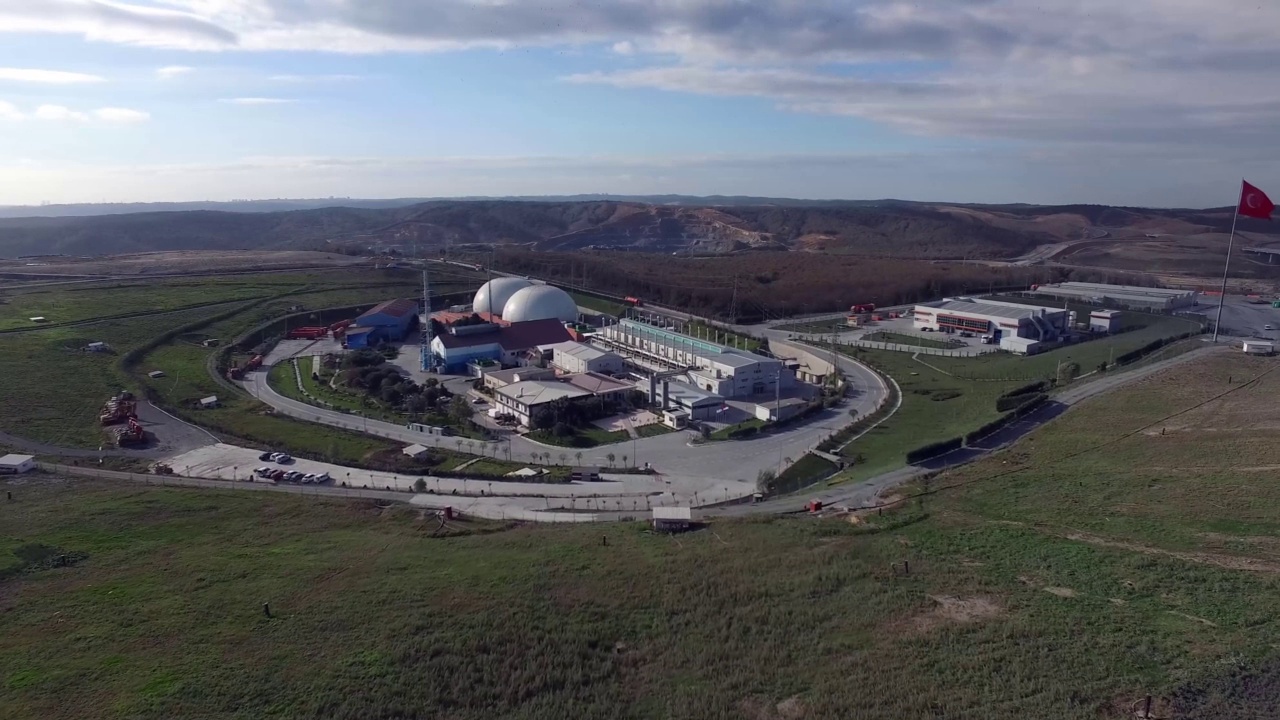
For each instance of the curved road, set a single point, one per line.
(672, 455)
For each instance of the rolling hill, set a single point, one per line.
(716, 226)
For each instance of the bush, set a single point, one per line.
(1034, 387)
(933, 450)
(945, 395)
(991, 427)
(562, 430)
(1006, 403)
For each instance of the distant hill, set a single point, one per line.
(885, 228)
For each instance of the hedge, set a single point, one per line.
(1151, 347)
(1034, 387)
(1027, 406)
(933, 450)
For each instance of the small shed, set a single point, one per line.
(416, 451)
(98, 346)
(1104, 321)
(672, 519)
(156, 374)
(39, 319)
(1253, 347)
(14, 464)
(209, 402)
(678, 419)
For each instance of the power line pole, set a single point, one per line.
(733, 302)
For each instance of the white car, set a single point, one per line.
(1267, 327)
(262, 471)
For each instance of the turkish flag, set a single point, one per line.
(1255, 204)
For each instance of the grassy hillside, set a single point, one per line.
(1126, 550)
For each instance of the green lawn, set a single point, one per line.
(1088, 355)
(653, 430)
(591, 302)
(723, 433)
(1099, 561)
(805, 471)
(935, 407)
(586, 437)
(901, 339)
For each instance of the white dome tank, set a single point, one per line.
(540, 302)
(493, 295)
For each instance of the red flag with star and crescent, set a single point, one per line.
(1254, 203)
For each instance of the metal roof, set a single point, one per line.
(395, 308)
(14, 460)
(684, 514)
(1104, 289)
(1013, 312)
(537, 392)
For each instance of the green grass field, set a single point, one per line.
(1097, 562)
(1088, 355)
(935, 407)
(821, 327)
(591, 302)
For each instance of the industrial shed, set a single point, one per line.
(14, 464)
(1123, 296)
(672, 519)
(390, 320)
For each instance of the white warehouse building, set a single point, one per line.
(1021, 329)
(714, 368)
(576, 358)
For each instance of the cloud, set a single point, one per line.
(59, 113)
(9, 111)
(48, 77)
(313, 78)
(170, 72)
(257, 101)
(121, 115)
(118, 22)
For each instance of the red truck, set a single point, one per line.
(863, 308)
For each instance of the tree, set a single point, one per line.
(561, 430)
(624, 461)
(563, 457)
(390, 395)
(764, 479)
(543, 419)
(578, 456)
(611, 457)
(460, 410)
(419, 485)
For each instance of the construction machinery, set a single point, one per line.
(131, 434)
(118, 409)
(237, 372)
(308, 333)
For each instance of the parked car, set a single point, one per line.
(283, 459)
(323, 478)
(262, 472)
(277, 475)
(293, 476)
(267, 456)
(1267, 327)
(308, 478)
(478, 401)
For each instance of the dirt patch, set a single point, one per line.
(950, 610)
(793, 708)
(1193, 618)
(1061, 592)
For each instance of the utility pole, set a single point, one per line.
(733, 303)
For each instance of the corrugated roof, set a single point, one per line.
(399, 307)
(516, 336)
(596, 383)
(981, 308)
(673, 513)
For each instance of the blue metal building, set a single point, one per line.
(391, 319)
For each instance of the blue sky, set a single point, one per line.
(1153, 102)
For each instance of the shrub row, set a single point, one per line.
(1134, 355)
(1029, 404)
(1035, 387)
(842, 436)
(933, 450)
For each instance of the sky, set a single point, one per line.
(1144, 102)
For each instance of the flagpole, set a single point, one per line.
(1217, 324)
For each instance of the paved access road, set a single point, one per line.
(865, 493)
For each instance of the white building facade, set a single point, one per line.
(1023, 329)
